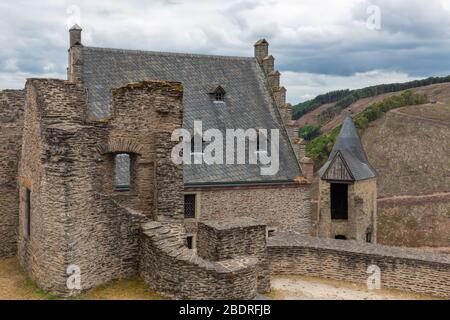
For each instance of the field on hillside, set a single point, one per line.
(409, 147)
(438, 92)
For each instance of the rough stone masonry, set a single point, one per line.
(60, 206)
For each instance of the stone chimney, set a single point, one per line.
(75, 35)
(75, 68)
(261, 50)
(279, 95)
(307, 166)
(274, 79)
(268, 64)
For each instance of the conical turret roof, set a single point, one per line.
(349, 154)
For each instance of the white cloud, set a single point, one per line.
(324, 41)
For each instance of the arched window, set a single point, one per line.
(122, 162)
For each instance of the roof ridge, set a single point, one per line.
(176, 54)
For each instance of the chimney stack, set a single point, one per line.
(268, 64)
(274, 79)
(76, 61)
(308, 169)
(261, 50)
(75, 35)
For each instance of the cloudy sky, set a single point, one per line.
(319, 45)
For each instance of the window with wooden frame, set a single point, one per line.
(218, 94)
(190, 205)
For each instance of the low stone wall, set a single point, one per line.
(170, 268)
(403, 269)
(231, 238)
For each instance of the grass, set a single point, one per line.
(17, 286)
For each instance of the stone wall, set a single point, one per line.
(362, 212)
(285, 208)
(170, 268)
(75, 218)
(403, 269)
(237, 237)
(11, 121)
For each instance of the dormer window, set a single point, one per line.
(218, 94)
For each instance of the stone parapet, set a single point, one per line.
(403, 269)
(170, 268)
(229, 238)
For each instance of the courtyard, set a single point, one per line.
(15, 285)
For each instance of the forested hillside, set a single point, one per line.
(342, 99)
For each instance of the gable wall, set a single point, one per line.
(283, 208)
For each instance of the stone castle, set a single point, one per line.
(88, 187)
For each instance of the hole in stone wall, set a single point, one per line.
(271, 232)
(340, 237)
(27, 213)
(190, 242)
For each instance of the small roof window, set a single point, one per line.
(218, 94)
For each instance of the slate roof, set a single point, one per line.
(349, 145)
(247, 104)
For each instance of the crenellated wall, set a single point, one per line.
(12, 104)
(403, 269)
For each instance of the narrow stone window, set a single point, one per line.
(27, 213)
(122, 171)
(340, 237)
(271, 232)
(190, 242)
(369, 236)
(189, 206)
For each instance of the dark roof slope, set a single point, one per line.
(247, 103)
(349, 145)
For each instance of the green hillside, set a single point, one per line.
(344, 98)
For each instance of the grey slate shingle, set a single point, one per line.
(349, 145)
(248, 102)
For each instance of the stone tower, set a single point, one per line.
(347, 191)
